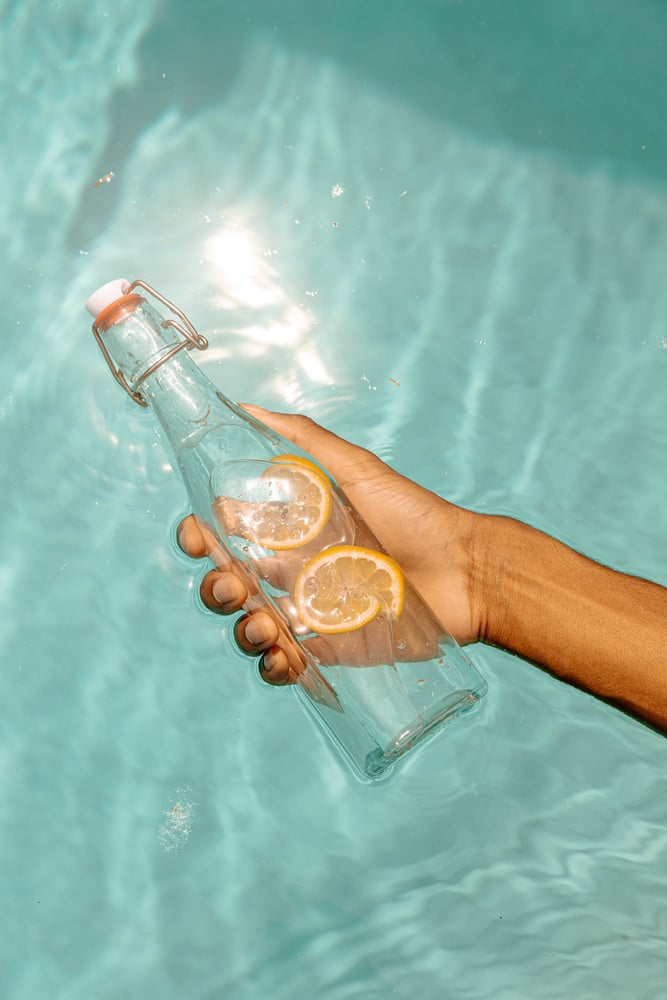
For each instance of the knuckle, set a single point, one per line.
(303, 426)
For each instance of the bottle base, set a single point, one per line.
(380, 761)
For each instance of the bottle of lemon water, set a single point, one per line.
(375, 667)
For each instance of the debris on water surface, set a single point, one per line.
(104, 180)
(177, 821)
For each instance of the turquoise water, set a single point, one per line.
(440, 228)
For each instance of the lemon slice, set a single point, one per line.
(300, 460)
(301, 510)
(346, 587)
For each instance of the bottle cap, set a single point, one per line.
(106, 296)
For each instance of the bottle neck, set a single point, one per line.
(157, 372)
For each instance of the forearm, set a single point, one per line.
(593, 627)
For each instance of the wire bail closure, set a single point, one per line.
(191, 338)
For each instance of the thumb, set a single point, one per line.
(347, 462)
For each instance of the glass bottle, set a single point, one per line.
(376, 668)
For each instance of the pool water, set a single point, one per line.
(441, 229)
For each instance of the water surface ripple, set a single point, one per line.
(484, 310)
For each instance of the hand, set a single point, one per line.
(486, 577)
(430, 538)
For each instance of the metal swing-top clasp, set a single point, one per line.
(191, 338)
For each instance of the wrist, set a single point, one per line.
(522, 583)
(526, 589)
(475, 546)
(495, 542)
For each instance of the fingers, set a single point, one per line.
(275, 669)
(191, 538)
(221, 590)
(224, 593)
(197, 540)
(256, 634)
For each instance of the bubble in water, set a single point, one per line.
(177, 821)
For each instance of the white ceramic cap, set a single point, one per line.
(104, 296)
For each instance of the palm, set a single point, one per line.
(418, 529)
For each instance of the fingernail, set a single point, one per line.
(220, 593)
(254, 633)
(266, 665)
